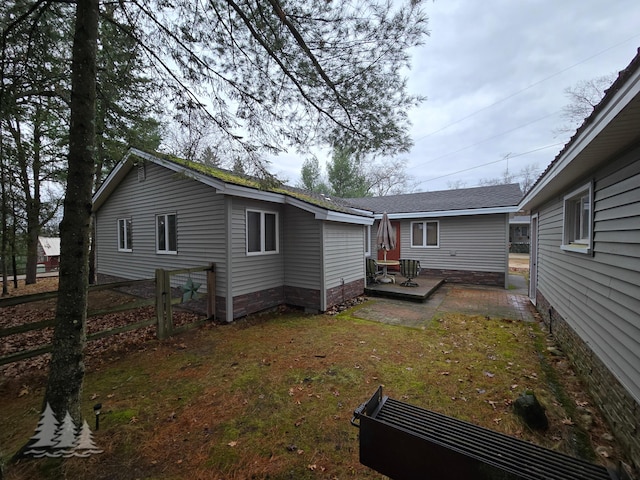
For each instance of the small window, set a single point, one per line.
(425, 234)
(166, 233)
(577, 220)
(262, 232)
(125, 243)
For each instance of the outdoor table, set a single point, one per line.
(384, 264)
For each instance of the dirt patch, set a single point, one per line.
(518, 262)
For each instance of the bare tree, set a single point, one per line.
(583, 97)
(456, 184)
(526, 176)
(388, 178)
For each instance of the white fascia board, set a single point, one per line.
(119, 171)
(620, 100)
(252, 193)
(451, 213)
(330, 215)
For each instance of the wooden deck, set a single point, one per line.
(426, 287)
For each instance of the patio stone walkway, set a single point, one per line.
(492, 302)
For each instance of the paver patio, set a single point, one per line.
(492, 302)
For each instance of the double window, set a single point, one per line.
(125, 238)
(425, 234)
(578, 219)
(262, 232)
(166, 235)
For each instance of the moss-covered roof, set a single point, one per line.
(267, 185)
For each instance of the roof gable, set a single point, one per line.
(50, 246)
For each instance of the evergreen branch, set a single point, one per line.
(286, 71)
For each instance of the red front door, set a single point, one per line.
(395, 253)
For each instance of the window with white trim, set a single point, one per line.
(166, 234)
(577, 220)
(425, 234)
(125, 239)
(262, 232)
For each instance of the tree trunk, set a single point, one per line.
(4, 251)
(66, 373)
(33, 204)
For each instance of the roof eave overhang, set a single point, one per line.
(575, 161)
(320, 213)
(450, 213)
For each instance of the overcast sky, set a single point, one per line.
(494, 74)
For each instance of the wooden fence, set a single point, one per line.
(164, 300)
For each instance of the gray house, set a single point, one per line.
(461, 235)
(585, 253)
(271, 246)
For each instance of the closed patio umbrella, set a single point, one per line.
(386, 236)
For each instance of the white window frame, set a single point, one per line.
(572, 221)
(263, 242)
(125, 233)
(423, 243)
(167, 234)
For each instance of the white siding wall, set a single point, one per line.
(599, 295)
(252, 273)
(470, 243)
(302, 242)
(200, 226)
(343, 253)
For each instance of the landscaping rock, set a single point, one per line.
(531, 411)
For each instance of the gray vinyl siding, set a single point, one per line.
(200, 226)
(343, 253)
(599, 295)
(253, 273)
(470, 243)
(302, 242)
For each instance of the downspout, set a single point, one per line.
(323, 280)
(228, 203)
(506, 260)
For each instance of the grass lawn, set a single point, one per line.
(272, 396)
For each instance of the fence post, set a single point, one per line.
(167, 303)
(161, 314)
(211, 291)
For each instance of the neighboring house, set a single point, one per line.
(461, 235)
(48, 253)
(585, 253)
(519, 233)
(270, 246)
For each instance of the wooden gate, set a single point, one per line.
(170, 291)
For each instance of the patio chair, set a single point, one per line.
(373, 270)
(409, 269)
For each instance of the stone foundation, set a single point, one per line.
(618, 407)
(342, 293)
(253, 302)
(466, 276)
(302, 297)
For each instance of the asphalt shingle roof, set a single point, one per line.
(445, 200)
